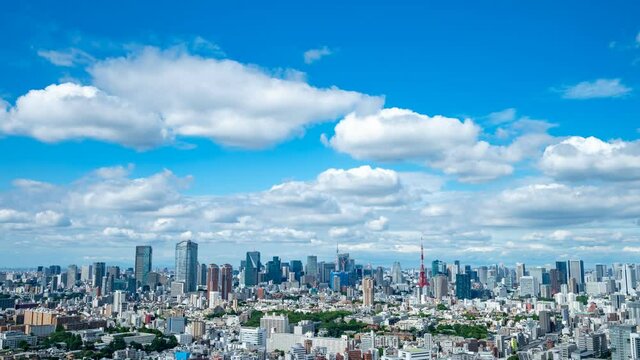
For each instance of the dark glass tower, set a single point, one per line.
(143, 265)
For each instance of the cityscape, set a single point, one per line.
(319, 309)
(328, 180)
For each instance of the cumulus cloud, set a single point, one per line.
(72, 111)
(448, 144)
(151, 96)
(313, 55)
(579, 158)
(226, 101)
(141, 194)
(600, 88)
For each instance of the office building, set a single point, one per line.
(72, 276)
(142, 265)
(213, 279)
(252, 268)
(187, 265)
(367, 292)
(275, 324)
(99, 271)
(253, 336)
(620, 338)
(463, 286)
(226, 281)
(312, 266)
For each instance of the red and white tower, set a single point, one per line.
(422, 281)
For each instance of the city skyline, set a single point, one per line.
(495, 134)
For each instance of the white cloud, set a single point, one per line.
(13, 216)
(71, 111)
(363, 180)
(579, 158)
(231, 103)
(379, 224)
(51, 218)
(148, 97)
(67, 58)
(448, 144)
(142, 194)
(600, 88)
(313, 55)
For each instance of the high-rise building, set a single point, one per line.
(274, 270)
(367, 291)
(252, 268)
(555, 280)
(99, 271)
(379, 275)
(226, 281)
(438, 267)
(483, 274)
(544, 319)
(342, 262)
(312, 266)
(440, 286)
(396, 273)
(72, 276)
(576, 271)
(253, 336)
(620, 336)
(521, 270)
(601, 271)
(202, 275)
(213, 278)
(296, 268)
(463, 286)
(86, 274)
(561, 266)
(275, 324)
(187, 264)
(529, 286)
(142, 265)
(627, 279)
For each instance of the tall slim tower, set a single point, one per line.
(422, 281)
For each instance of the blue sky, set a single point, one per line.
(537, 72)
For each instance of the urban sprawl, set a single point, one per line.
(319, 310)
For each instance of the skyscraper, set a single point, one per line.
(576, 271)
(312, 266)
(562, 267)
(252, 268)
(142, 265)
(367, 292)
(226, 281)
(72, 276)
(274, 270)
(396, 273)
(463, 286)
(187, 264)
(620, 336)
(99, 271)
(213, 278)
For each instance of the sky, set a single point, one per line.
(492, 133)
